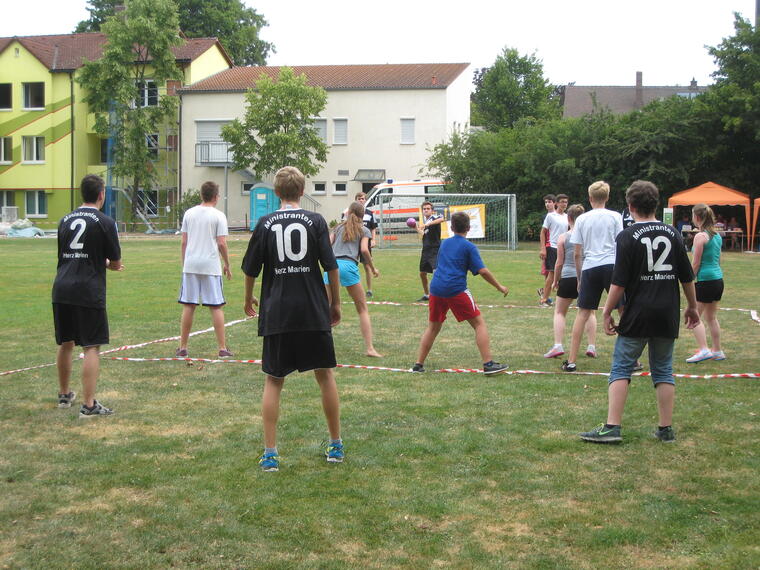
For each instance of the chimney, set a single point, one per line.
(434, 80)
(638, 101)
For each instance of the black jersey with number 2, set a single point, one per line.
(86, 238)
(650, 262)
(288, 246)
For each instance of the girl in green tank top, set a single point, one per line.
(706, 265)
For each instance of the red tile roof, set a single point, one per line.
(337, 77)
(66, 52)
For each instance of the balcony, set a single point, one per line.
(213, 153)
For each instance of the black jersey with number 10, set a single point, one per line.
(650, 263)
(86, 238)
(288, 246)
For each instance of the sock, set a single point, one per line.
(338, 441)
(662, 427)
(489, 363)
(270, 450)
(559, 346)
(608, 426)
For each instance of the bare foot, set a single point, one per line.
(373, 353)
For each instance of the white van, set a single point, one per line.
(400, 199)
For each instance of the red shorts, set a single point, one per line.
(462, 305)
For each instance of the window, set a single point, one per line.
(6, 96)
(147, 202)
(34, 95)
(6, 150)
(7, 198)
(407, 131)
(340, 131)
(33, 149)
(320, 125)
(36, 204)
(152, 142)
(147, 94)
(319, 188)
(246, 188)
(339, 188)
(103, 151)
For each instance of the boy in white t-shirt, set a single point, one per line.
(204, 241)
(555, 224)
(594, 240)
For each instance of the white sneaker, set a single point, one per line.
(719, 355)
(554, 352)
(699, 356)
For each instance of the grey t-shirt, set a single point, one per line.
(348, 249)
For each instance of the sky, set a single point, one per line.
(588, 42)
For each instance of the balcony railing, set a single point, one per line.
(213, 153)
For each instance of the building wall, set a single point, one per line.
(208, 63)
(374, 140)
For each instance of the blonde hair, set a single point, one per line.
(574, 211)
(353, 224)
(599, 191)
(289, 183)
(706, 218)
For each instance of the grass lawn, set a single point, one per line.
(451, 470)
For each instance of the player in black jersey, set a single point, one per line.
(88, 244)
(295, 318)
(650, 261)
(430, 230)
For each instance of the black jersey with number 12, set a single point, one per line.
(288, 246)
(650, 262)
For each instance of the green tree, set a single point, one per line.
(125, 87)
(513, 88)
(733, 107)
(278, 126)
(235, 25)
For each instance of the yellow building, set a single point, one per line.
(47, 137)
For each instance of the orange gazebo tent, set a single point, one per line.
(714, 194)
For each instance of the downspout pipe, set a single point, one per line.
(71, 137)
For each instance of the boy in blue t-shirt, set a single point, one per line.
(448, 290)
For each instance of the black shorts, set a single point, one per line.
(568, 288)
(361, 255)
(551, 258)
(287, 352)
(428, 259)
(709, 291)
(593, 282)
(84, 325)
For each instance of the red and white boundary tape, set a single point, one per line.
(753, 315)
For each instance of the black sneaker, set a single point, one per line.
(638, 367)
(665, 435)
(368, 294)
(97, 410)
(65, 400)
(418, 368)
(423, 299)
(494, 368)
(569, 366)
(601, 434)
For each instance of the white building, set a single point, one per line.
(380, 122)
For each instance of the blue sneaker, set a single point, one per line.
(270, 462)
(334, 453)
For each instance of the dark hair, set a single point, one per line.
(92, 185)
(460, 222)
(551, 197)
(209, 191)
(643, 196)
(562, 197)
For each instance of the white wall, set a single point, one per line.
(374, 138)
